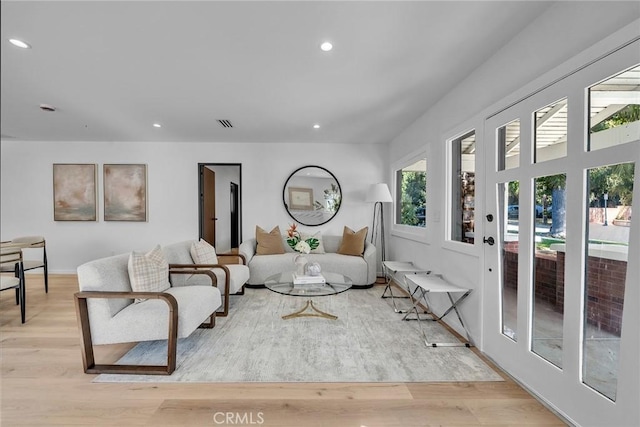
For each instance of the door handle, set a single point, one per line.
(489, 240)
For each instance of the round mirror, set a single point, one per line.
(312, 195)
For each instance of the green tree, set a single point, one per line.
(630, 113)
(514, 192)
(615, 180)
(414, 196)
(546, 184)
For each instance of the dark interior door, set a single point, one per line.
(208, 205)
(235, 216)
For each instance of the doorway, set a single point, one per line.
(235, 214)
(560, 298)
(220, 205)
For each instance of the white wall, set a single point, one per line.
(27, 191)
(559, 34)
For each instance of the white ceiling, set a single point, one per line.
(112, 69)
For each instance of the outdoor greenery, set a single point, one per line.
(414, 197)
(614, 180)
(546, 184)
(630, 113)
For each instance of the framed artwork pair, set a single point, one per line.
(75, 192)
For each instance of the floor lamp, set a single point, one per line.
(378, 194)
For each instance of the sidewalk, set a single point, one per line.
(610, 233)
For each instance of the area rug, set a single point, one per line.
(368, 342)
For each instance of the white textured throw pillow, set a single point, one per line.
(148, 272)
(203, 253)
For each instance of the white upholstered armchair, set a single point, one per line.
(193, 254)
(108, 313)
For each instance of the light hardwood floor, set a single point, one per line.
(42, 383)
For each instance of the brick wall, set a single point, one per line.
(510, 264)
(605, 293)
(605, 288)
(546, 279)
(560, 281)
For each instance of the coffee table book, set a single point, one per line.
(308, 280)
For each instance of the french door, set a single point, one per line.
(562, 293)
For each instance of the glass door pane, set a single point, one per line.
(614, 110)
(551, 132)
(508, 199)
(607, 232)
(548, 267)
(509, 145)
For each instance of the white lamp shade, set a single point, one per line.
(379, 193)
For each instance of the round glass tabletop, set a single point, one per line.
(282, 283)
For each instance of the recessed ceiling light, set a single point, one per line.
(326, 46)
(20, 44)
(157, 125)
(316, 126)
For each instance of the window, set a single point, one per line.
(509, 201)
(607, 230)
(509, 145)
(548, 261)
(411, 194)
(551, 131)
(463, 187)
(614, 111)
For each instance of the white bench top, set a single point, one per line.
(403, 266)
(434, 283)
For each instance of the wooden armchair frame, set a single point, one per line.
(86, 343)
(227, 274)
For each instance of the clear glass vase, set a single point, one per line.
(301, 261)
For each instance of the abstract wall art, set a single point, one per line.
(125, 192)
(75, 192)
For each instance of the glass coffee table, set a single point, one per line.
(282, 283)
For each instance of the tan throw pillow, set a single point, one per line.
(353, 242)
(269, 243)
(148, 272)
(320, 248)
(203, 253)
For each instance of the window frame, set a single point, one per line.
(476, 125)
(454, 161)
(410, 232)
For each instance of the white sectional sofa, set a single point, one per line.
(360, 269)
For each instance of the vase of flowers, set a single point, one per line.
(302, 246)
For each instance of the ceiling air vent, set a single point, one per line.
(225, 123)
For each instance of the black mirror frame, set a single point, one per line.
(284, 192)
